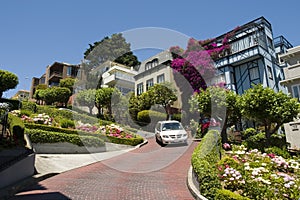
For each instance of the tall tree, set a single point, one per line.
(103, 99)
(163, 94)
(269, 108)
(68, 83)
(218, 103)
(86, 98)
(54, 94)
(8, 81)
(114, 48)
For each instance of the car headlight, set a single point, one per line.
(184, 135)
(165, 136)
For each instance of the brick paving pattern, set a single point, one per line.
(147, 173)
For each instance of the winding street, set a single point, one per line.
(147, 173)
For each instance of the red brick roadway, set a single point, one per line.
(147, 173)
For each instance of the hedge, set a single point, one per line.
(28, 105)
(61, 130)
(127, 141)
(204, 159)
(16, 128)
(40, 136)
(228, 195)
(150, 116)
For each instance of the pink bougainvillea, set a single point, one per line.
(195, 63)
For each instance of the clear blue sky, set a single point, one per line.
(36, 33)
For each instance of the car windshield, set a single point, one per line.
(171, 126)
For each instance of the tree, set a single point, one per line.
(162, 94)
(217, 103)
(47, 95)
(103, 99)
(54, 94)
(62, 95)
(86, 98)
(114, 48)
(37, 94)
(67, 83)
(8, 81)
(271, 109)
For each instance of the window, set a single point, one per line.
(161, 78)
(270, 74)
(155, 62)
(270, 42)
(139, 88)
(149, 83)
(254, 73)
(296, 91)
(148, 66)
(69, 71)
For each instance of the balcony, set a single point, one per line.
(113, 78)
(54, 76)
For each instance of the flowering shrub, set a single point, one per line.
(111, 130)
(195, 63)
(259, 175)
(37, 118)
(3, 109)
(42, 119)
(115, 131)
(86, 127)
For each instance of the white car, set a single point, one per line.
(170, 132)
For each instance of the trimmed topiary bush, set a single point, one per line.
(204, 159)
(16, 128)
(150, 116)
(29, 106)
(67, 123)
(228, 195)
(248, 132)
(257, 141)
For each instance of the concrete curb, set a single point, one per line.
(192, 186)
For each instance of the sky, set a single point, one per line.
(37, 33)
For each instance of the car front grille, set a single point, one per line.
(175, 136)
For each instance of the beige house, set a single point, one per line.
(291, 59)
(153, 70)
(292, 70)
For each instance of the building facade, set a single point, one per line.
(118, 76)
(253, 57)
(155, 69)
(54, 73)
(291, 59)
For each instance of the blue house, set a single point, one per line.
(252, 58)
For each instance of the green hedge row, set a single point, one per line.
(204, 159)
(16, 128)
(228, 195)
(150, 116)
(126, 141)
(40, 136)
